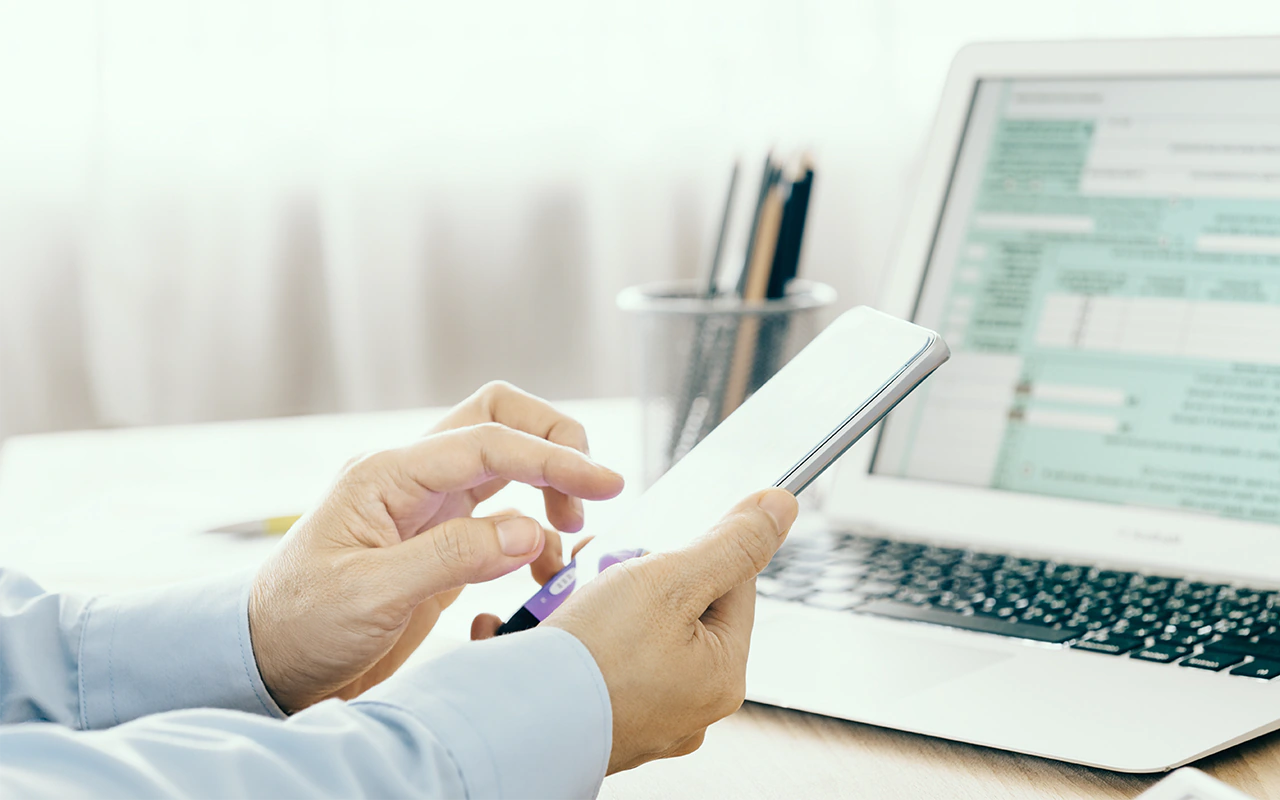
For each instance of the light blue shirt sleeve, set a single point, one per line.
(92, 663)
(522, 716)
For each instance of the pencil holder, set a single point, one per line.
(699, 357)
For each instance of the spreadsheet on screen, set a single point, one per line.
(1106, 271)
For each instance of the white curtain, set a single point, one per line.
(232, 208)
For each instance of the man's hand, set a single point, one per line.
(670, 632)
(359, 582)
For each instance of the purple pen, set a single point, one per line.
(548, 599)
(553, 594)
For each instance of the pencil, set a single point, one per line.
(786, 261)
(754, 288)
(271, 526)
(768, 179)
(786, 265)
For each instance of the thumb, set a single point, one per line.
(463, 550)
(738, 547)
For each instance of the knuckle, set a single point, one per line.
(385, 610)
(484, 437)
(758, 521)
(649, 572)
(488, 430)
(374, 463)
(570, 432)
(750, 540)
(454, 549)
(628, 573)
(644, 582)
(354, 460)
(364, 474)
(495, 392)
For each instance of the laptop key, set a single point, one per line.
(1258, 669)
(1214, 660)
(1260, 649)
(1047, 601)
(1109, 645)
(1185, 638)
(1161, 653)
(980, 623)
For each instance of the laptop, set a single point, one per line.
(1067, 542)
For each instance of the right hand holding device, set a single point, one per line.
(670, 631)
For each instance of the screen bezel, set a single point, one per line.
(1187, 543)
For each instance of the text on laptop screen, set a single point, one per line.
(1107, 273)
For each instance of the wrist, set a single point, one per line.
(265, 647)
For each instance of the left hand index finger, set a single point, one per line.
(463, 459)
(507, 405)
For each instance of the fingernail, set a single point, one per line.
(782, 507)
(576, 504)
(518, 536)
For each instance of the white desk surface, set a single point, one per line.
(116, 509)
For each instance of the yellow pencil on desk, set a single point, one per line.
(271, 526)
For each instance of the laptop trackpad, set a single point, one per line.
(843, 664)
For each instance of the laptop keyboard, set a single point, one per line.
(1208, 626)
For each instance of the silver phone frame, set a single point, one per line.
(932, 355)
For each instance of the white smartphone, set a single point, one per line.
(795, 426)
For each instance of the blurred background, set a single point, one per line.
(216, 209)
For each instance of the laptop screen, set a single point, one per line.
(1106, 271)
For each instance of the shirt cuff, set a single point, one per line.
(182, 646)
(525, 715)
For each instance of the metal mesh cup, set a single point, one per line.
(699, 358)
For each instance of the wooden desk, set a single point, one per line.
(764, 752)
(110, 510)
